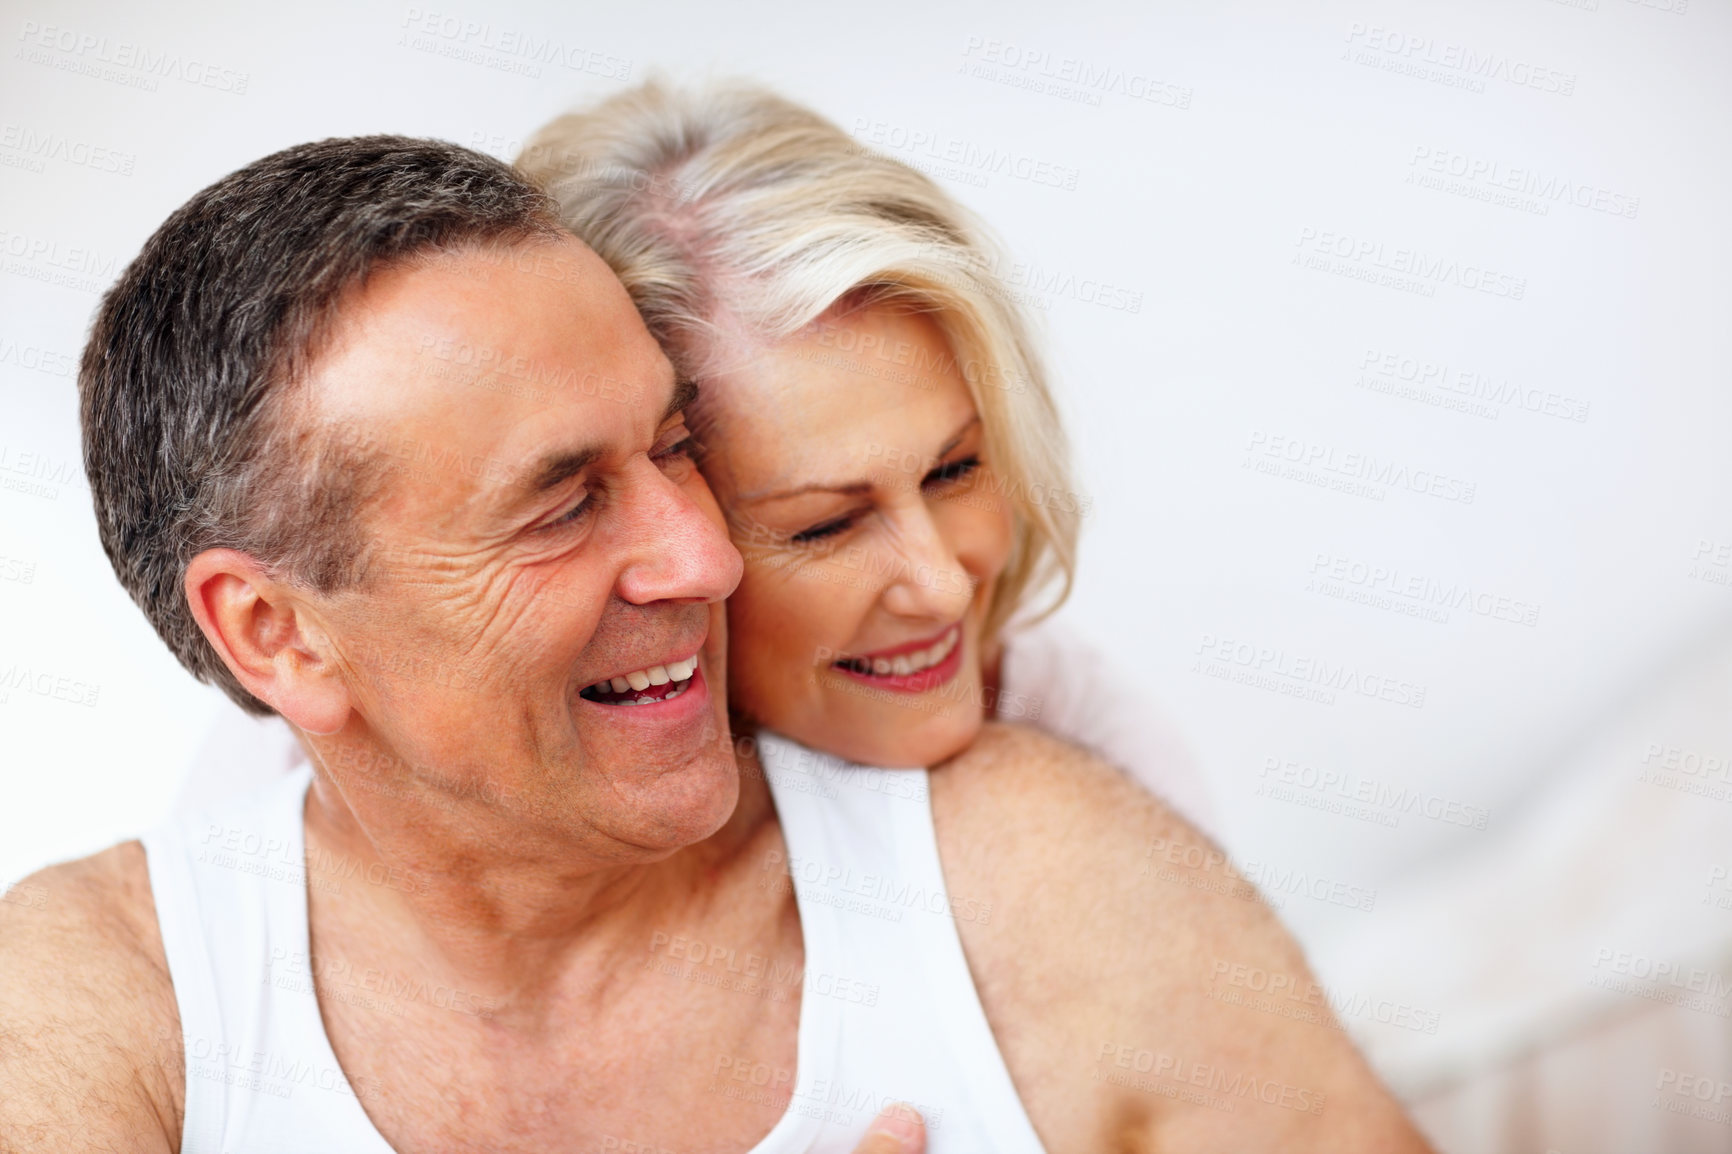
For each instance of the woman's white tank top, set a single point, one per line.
(888, 1010)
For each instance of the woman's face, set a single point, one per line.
(852, 467)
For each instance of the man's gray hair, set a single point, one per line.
(189, 440)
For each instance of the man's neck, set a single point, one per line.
(509, 917)
(550, 984)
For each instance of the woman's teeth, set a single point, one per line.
(904, 664)
(677, 673)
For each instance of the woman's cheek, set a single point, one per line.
(746, 642)
(983, 536)
(770, 631)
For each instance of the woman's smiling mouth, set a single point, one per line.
(912, 668)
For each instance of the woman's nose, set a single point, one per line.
(932, 582)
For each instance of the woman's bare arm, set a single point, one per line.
(1109, 969)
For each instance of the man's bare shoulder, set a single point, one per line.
(1107, 960)
(90, 1052)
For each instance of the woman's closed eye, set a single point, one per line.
(947, 474)
(951, 472)
(824, 529)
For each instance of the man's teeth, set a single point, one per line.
(675, 671)
(904, 664)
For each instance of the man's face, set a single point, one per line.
(539, 530)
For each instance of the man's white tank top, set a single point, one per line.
(888, 1009)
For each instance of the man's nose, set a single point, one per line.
(932, 582)
(677, 550)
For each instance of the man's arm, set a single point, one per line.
(90, 1048)
(1110, 968)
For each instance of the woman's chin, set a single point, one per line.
(893, 743)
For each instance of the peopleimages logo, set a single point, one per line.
(1472, 65)
(1372, 800)
(72, 50)
(38, 359)
(35, 474)
(1661, 979)
(890, 895)
(1299, 675)
(1224, 1087)
(22, 678)
(1066, 77)
(1544, 188)
(41, 146)
(502, 47)
(1356, 580)
(1369, 256)
(1468, 390)
(86, 264)
(1302, 999)
(970, 159)
(1362, 474)
(1279, 882)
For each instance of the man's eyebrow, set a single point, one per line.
(558, 467)
(685, 395)
(850, 488)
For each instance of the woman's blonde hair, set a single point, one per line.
(731, 210)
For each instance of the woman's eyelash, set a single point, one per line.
(954, 471)
(943, 475)
(819, 532)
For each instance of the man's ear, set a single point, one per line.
(267, 637)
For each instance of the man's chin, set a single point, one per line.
(664, 768)
(677, 806)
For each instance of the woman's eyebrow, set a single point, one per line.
(849, 488)
(846, 488)
(956, 438)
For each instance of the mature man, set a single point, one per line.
(377, 446)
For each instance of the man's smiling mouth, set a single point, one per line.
(644, 686)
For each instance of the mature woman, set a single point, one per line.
(874, 421)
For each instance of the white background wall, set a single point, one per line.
(1213, 153)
